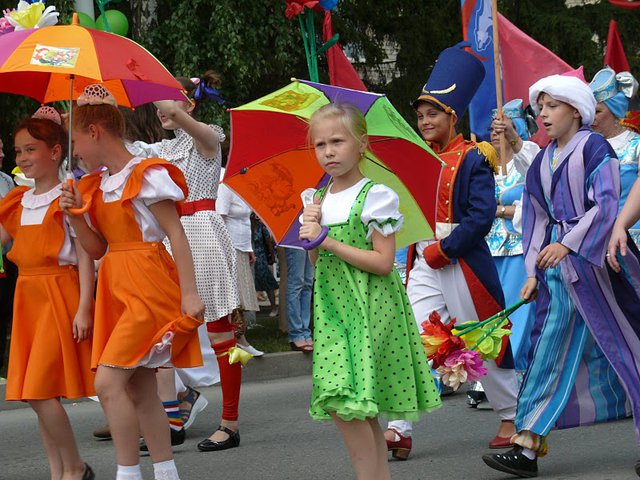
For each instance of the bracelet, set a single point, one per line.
(502, 210)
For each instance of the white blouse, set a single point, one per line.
(157, 185)
(237, 217)
(34, 209)
(381, 210)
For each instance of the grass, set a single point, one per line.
(267, 336)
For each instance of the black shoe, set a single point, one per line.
(638, 468)
(514, 462)
(177, 438)
(210, 446)
(88, 473)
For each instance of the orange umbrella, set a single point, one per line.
(56, 63)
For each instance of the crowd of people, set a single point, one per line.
(136, 281)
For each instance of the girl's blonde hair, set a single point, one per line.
(349, 116)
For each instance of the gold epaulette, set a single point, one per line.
(490, 154)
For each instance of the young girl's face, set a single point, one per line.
(337, 151)
(169, 124)
(433, 123)
(84, 147)
(34, 157)
(558, 118)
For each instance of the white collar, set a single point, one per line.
(111, 183)
(32, 201)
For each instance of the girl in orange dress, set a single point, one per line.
(147, 306)
(50, 352)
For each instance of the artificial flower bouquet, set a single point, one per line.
(457, 352)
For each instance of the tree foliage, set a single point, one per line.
(395, 42)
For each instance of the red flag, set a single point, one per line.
(614, 56)
(524, 62)
(341, 71)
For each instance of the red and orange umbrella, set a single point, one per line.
(56, 63)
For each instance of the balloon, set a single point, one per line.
(118, 22)
(86, 21)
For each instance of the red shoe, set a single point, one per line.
(501, 442)
(400, 449)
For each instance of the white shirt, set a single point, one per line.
(381, 205)
(237, 217)
(34, 209)
(157, 185)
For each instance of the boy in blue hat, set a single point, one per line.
(454, 273)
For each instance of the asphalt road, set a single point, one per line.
(281, 442)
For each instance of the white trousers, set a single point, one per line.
(205, 376)
(446, 291)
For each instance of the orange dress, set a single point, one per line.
(44, 361)
(138, 320)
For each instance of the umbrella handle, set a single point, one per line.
(311, 244)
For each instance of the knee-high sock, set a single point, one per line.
(172, 409)
(230, 379)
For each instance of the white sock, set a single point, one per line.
(530, 454)
(132, 472)
(165, 470)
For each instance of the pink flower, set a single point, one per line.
(437, 339)
(461, 366)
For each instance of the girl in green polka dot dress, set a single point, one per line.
(368, 358)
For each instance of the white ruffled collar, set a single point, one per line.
(32, 201)
(111, 183)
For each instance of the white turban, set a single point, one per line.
(569, 90)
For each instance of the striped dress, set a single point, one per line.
(585, 344)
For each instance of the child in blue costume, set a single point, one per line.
(368, 358)
(612, 92)
(454, 273)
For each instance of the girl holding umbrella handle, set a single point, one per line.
(196, 152)
(363, 317)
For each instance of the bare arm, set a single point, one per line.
(83, 321)
(167, 216)
(378, 261)
(5, 238)
(206, 140)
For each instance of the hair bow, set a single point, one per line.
(205, 91)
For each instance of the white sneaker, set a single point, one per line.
(252, 350)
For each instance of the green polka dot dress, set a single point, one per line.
(368, 359)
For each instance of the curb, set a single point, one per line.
(270, 366)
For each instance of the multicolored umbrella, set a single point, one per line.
(45, 63)
(271, 161)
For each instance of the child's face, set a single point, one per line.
(337, 151)
(433, 123)
(169, 124)
(558, 118)
(34, 157)
(605, 121)
(84, 146)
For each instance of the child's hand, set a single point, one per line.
(312, 213)
(192, 305)
(529, 291)
(70, 198)
(310, 231)
(82, 325)
(617, 242)
(551, 255)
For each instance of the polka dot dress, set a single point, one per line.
(213, 252)
(368, 358)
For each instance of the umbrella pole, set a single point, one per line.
(70, 142)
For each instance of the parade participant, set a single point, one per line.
(362, 316)
(147, 305)
(454, 274)
(570, 204)
(50, 355)
(612, 92)
(505, 237)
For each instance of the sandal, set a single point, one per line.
(301, 348)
